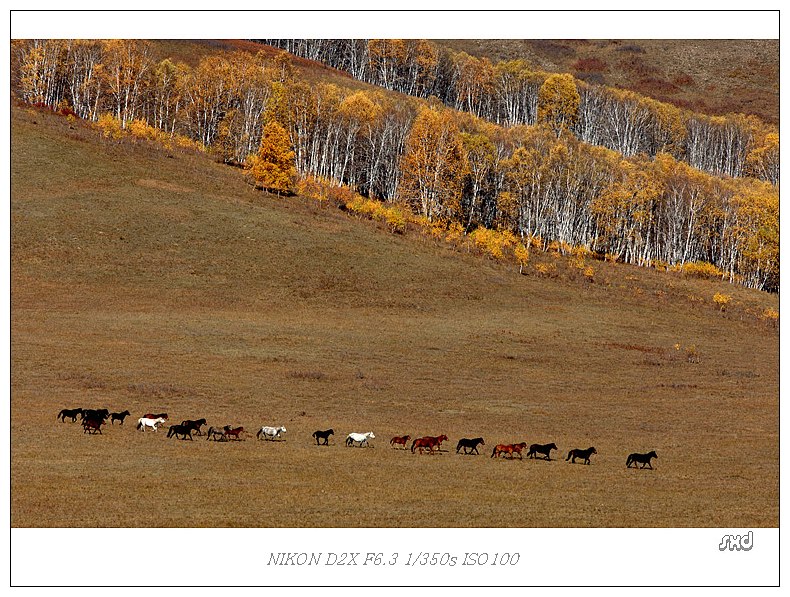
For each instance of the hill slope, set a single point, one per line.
(159, 281)
(710, 76)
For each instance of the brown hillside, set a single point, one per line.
(709, 76)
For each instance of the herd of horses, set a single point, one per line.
(93, 419)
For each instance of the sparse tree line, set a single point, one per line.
(507, 93)
(539, 182)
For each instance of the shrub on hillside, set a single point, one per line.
(722, 300)
(109, 126)
(699, 269)
(589, 65)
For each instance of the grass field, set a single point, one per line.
(159, 281)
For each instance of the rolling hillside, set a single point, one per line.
(709, 76)
(159, 280)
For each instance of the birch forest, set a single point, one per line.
(458, 139)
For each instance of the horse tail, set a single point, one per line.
(59, 415)
(258, 435)
(493, 453)
(569, 456)
(412, 446)
(139, 426)
(208, 433)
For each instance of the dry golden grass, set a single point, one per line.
(159, 281)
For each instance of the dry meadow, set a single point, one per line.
(150, 280)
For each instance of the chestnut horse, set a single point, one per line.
(511, 449)
(234, 433)
(156, 416)
(428, 442)
(401, 440)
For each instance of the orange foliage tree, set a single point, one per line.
(433, 165)
(273, 167)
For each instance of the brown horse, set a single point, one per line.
(156, 416)
(428, 442)
(400, 440)
(92, 426)
(234, 433)
(509, 449)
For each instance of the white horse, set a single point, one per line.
(143, 422)
(361, 438)
(270, 433)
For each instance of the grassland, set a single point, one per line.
(160, 281)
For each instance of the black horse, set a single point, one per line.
(185, 431)
(469, 445)
(73, 413)
(544, 449)
(582, 454)
(195, 425)
(119, 416)
(643, 459)
(90, 413)
(323, 435)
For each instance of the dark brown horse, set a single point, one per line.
(92, 426)
(194, 425)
